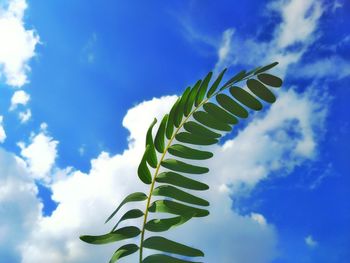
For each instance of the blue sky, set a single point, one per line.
(80, 83)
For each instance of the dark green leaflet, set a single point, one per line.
(180, 180)
(188, 153)
(124, 251)
(191, 98)
(120, 234)
(245, 98)
(170, 123)
(143, 171)
(179, 166)
(219, 113)
(200, 130)
(134, 197)
(203, 89)
(231, 106)
(234, 79)
(151, 156)
(260, 90)
(134, 213)
(181, 107)
(160, 225)
(160, 136)
(270, 80)
(191, 138)
(172, 207)
(266, 68)
(175, 193)
(208, 120)
(166, 245)
(215, 85)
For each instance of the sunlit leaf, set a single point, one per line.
(200, 130)
(161, 258)
(191, 98)
(245, 98)
(180, 180)
(134, 197)
(131, 214)
(188, 153)
(160, 136)
(260, 90)
(191, 138)
(270, 80)
(120, 234)
(179, 166)
(143, 172)
(172, 207)
(232, 106)
(203, 89)
(267, 67)
(216, 83)
(164, 224)
(151, 156)
(175, 193)
(210, 121)
(166, 245)
(124, 251)
(219, 113)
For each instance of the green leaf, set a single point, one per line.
(160, 136)
(134, 197)
(219, 113)
(189, 153)
(152, 156)
(175, 193)
(143, 171)
(170, 124)
(238, 77)
(124, 251)
(166, 245)
(246, 98)
(180, 180)
(196, 128)
(267, 67)
(120, 234)
(260, 90)
(180, 108)
(160, 225)
(194, 139)
(208, 120)
(172, 207)
(203, 89)
(191, 98)
(179, 166)
(161, 258)
(216, 83)
(232, 106)
(131, 214)
(270, 80)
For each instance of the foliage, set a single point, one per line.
(194, 121)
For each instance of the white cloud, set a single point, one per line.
(40, 154)
(20, 97)
(17, 45)
(2, 130)
(19, 207)
(300, 21)
(310, 241)
(25, 116)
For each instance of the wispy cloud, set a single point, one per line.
(310, 241)
(2, 130)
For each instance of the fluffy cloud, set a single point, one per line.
(20, 210)
(25, 116)
(2, 131)
(40, 154)
(17, 44)
(20, 97)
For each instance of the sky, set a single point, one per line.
(80, 84)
